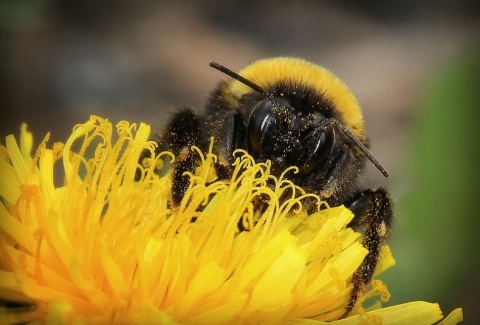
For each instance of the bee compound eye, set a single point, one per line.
(260, 118)
(319, 144)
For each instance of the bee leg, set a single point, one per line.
(373, 213)
(181, 134)
(228, 137)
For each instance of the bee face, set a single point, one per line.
(285, 131)
(292, 113)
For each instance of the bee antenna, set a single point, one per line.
(243, 80)
(354, 139)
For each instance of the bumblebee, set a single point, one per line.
(292, 113)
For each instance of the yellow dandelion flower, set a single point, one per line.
(104, 248)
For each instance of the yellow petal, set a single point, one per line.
(275, 286)
(18, 163)
(26, 142)
(386, 260)
(207, 280)
(9, 183)
(455, 317)
(417, 312)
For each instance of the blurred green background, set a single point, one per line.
(414, 65)
(434, 239)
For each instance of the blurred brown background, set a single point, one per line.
(62, 61)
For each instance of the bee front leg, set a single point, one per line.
(373, 213)
(229, 135)
(181, 133)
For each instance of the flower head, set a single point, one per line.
(105, 248)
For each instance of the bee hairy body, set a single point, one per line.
(292, 113)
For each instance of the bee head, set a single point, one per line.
(288, 126)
